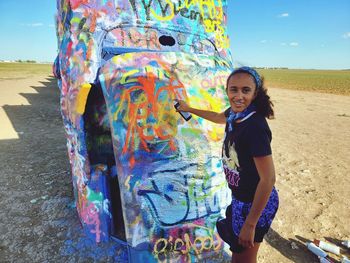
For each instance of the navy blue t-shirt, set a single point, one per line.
(249, 138)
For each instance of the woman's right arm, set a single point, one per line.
(208, 115)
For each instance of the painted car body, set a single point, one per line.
(141, 173)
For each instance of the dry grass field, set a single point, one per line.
(326, 81)
(23, 70)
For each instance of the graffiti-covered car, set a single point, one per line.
(141, 173)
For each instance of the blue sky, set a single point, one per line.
(273, 33)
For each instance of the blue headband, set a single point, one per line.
(251, 72)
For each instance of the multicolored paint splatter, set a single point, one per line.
(142, 174)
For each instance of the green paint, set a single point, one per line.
(93, 196)
(191, 132)
(75, 20)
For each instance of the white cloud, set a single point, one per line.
(283, 15)
(346, 35)
(33, 24)
(263, 41)
(292, 44)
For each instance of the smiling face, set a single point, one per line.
(241, 91)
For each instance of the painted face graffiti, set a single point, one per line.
(147, 109)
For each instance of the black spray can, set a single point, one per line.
(186, 115)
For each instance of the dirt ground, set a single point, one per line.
(38, 221)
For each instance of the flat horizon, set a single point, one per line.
(32, 61)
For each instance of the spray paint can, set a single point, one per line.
(346, 243)
(186, 115)
(316, 250)
(327, 246)
(324, 260)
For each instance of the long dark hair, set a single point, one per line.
(263, 103)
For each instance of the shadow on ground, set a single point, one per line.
(38, 220)
(293, 248)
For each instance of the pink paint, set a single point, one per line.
(76, 3)
(90, 216)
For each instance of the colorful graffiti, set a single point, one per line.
(182, 244)
(142, 174)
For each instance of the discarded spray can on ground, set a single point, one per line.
(327, 246)
(346, 243)
(324, 260)
(316, 250)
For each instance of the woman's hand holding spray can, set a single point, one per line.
(186, 115)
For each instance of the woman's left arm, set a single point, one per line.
(266, 170)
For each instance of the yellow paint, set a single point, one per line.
(136, 221)
(207, 8)
(164, 18)
(82, 97)
(125, 76)
(148, 69)
(127, 183)
(210, 241)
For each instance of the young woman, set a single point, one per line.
(247, 163)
